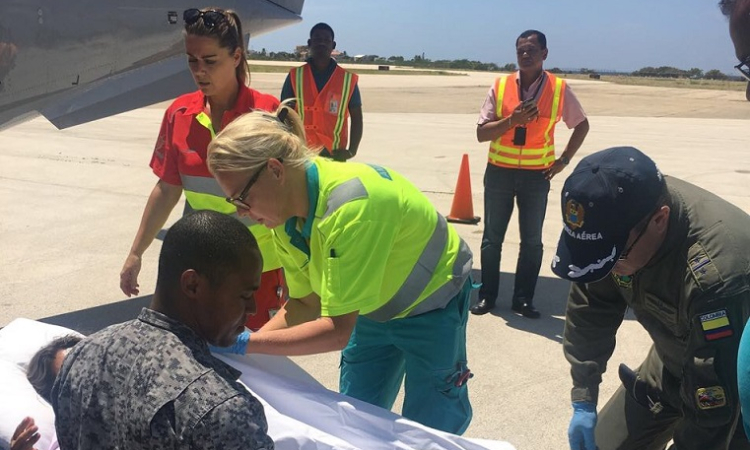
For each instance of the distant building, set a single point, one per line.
(302, 52)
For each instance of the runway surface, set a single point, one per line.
(71, 202)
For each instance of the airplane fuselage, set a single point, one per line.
(50, 50)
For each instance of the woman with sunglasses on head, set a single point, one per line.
(372, 268)
(215, 49)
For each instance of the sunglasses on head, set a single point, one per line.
(210, 17)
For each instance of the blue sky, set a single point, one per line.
(596, 34)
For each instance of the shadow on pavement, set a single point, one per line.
(550, 299)
(551, 296)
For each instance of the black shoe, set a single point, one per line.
(483, 306)
(526, 310)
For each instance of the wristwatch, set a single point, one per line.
(565, 160)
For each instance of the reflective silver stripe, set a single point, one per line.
(194, 185)
(446, 292)
(423, 270)
(248, 222)
(202, 185)
(343, 108)
(421, 275)
(344, 193)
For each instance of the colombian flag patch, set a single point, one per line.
(716, 325)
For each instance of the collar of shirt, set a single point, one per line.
(191, 340)
(243, 104)
(536, 86)
(301, 239)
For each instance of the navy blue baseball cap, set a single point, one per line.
(605, 197)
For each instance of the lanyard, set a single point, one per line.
(538, 88)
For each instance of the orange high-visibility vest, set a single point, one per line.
(325, 114)
(539, 151)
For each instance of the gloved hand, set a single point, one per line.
(581, 430)
(239, 347)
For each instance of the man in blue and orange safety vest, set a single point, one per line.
(327, 96)
(518, 118)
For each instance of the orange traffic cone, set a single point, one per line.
(462, 210)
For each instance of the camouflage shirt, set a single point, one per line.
(151, 383)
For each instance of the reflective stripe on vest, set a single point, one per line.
(344, 193)
(299, 90)
(326, 127)
(341, 113)
(504, 154)
(424, 268)
(205, 193)
(421, 275)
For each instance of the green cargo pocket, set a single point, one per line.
(703, 392)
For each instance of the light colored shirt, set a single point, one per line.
(573, 113)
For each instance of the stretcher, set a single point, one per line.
(301, 413)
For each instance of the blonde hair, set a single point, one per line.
(249, 141)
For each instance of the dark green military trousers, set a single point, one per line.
(627, 424)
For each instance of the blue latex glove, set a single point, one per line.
(239, 347)
(581, 430)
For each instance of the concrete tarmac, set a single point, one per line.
(71, 202)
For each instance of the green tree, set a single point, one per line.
(694, 73)
(715, 74)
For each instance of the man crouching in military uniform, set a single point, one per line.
(677, 255)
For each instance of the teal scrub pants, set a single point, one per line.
(743, 377)
(427, 352)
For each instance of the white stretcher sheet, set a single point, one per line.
(301, 413)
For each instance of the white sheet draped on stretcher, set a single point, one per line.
(301, 413)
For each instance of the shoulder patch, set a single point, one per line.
(710, 397)
(716, 325)
(623, 281)
(703, 270)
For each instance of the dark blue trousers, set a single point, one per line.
(502, 188)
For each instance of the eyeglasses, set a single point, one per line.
(239, 201)
(644, 226)
(210, 17)
(744, 68)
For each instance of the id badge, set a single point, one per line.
(519, 136)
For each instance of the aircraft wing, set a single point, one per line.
(136, 88)
(294, 6)
(75, 64)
